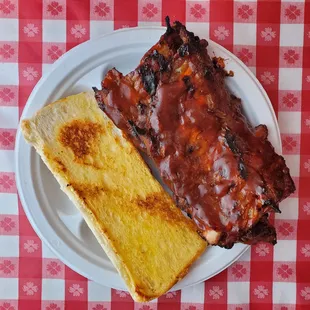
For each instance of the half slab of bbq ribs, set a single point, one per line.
(175, 107)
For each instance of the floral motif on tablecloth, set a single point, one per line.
(78, 31)
(216, 292)
(150, 10)
(31, 30)
(30, 288)
(54, 8)
(305, 293)
(221, 33)
(262, 249)
(7, 224)
(7, 7)
(7, 306)
(7, 266)
(284, 271)
(30, 246)
(76, 290)
(268, 34)
(261, 292)
(305, 250)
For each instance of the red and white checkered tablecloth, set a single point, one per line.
(271, 37)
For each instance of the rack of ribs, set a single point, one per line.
(175, 107)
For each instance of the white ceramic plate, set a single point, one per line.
(51, 213)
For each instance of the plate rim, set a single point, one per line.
(45, 77)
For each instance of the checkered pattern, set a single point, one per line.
(271, 37)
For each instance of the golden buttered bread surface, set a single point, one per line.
(144, 234)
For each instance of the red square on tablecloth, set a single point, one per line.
(31, 52)
(268, 34)
(306, 59)
(222, 11)
(30, 289)
(76, 290)
(267, 56)
(262, 252)
(307, 35)
(30, 246)
(77, 31)
(261, 270)
(215, 292)
(30, 30)
(305, 166)
(303, 294)
(304, 208)
(261, 292)
(303, 250)
(268, 77)
(306, 84)
(30, 267)
(53, 305)
(268, 12)
(221, 33)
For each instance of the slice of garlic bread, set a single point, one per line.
(145, 235)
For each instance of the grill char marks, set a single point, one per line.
(175, 107)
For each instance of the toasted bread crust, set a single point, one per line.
(145, 235)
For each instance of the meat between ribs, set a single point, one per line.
(175, 107)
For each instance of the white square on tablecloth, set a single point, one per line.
(46, 252)
(8, 29)
(284, 293)
(6, 162)
(8, 288)
(9, 246)
(8, 117)
(289, 208)
(289, 122)
(54, 30)
(53, 289)
(8, 73)
(285, 251)
(199, 29)
(244, 34)
(290, 78)
(291, 35)
(8, 203)
(193, 294)
(46, 68)
(293, 161)
(100, 27)
(97, 292)
(238, 292)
